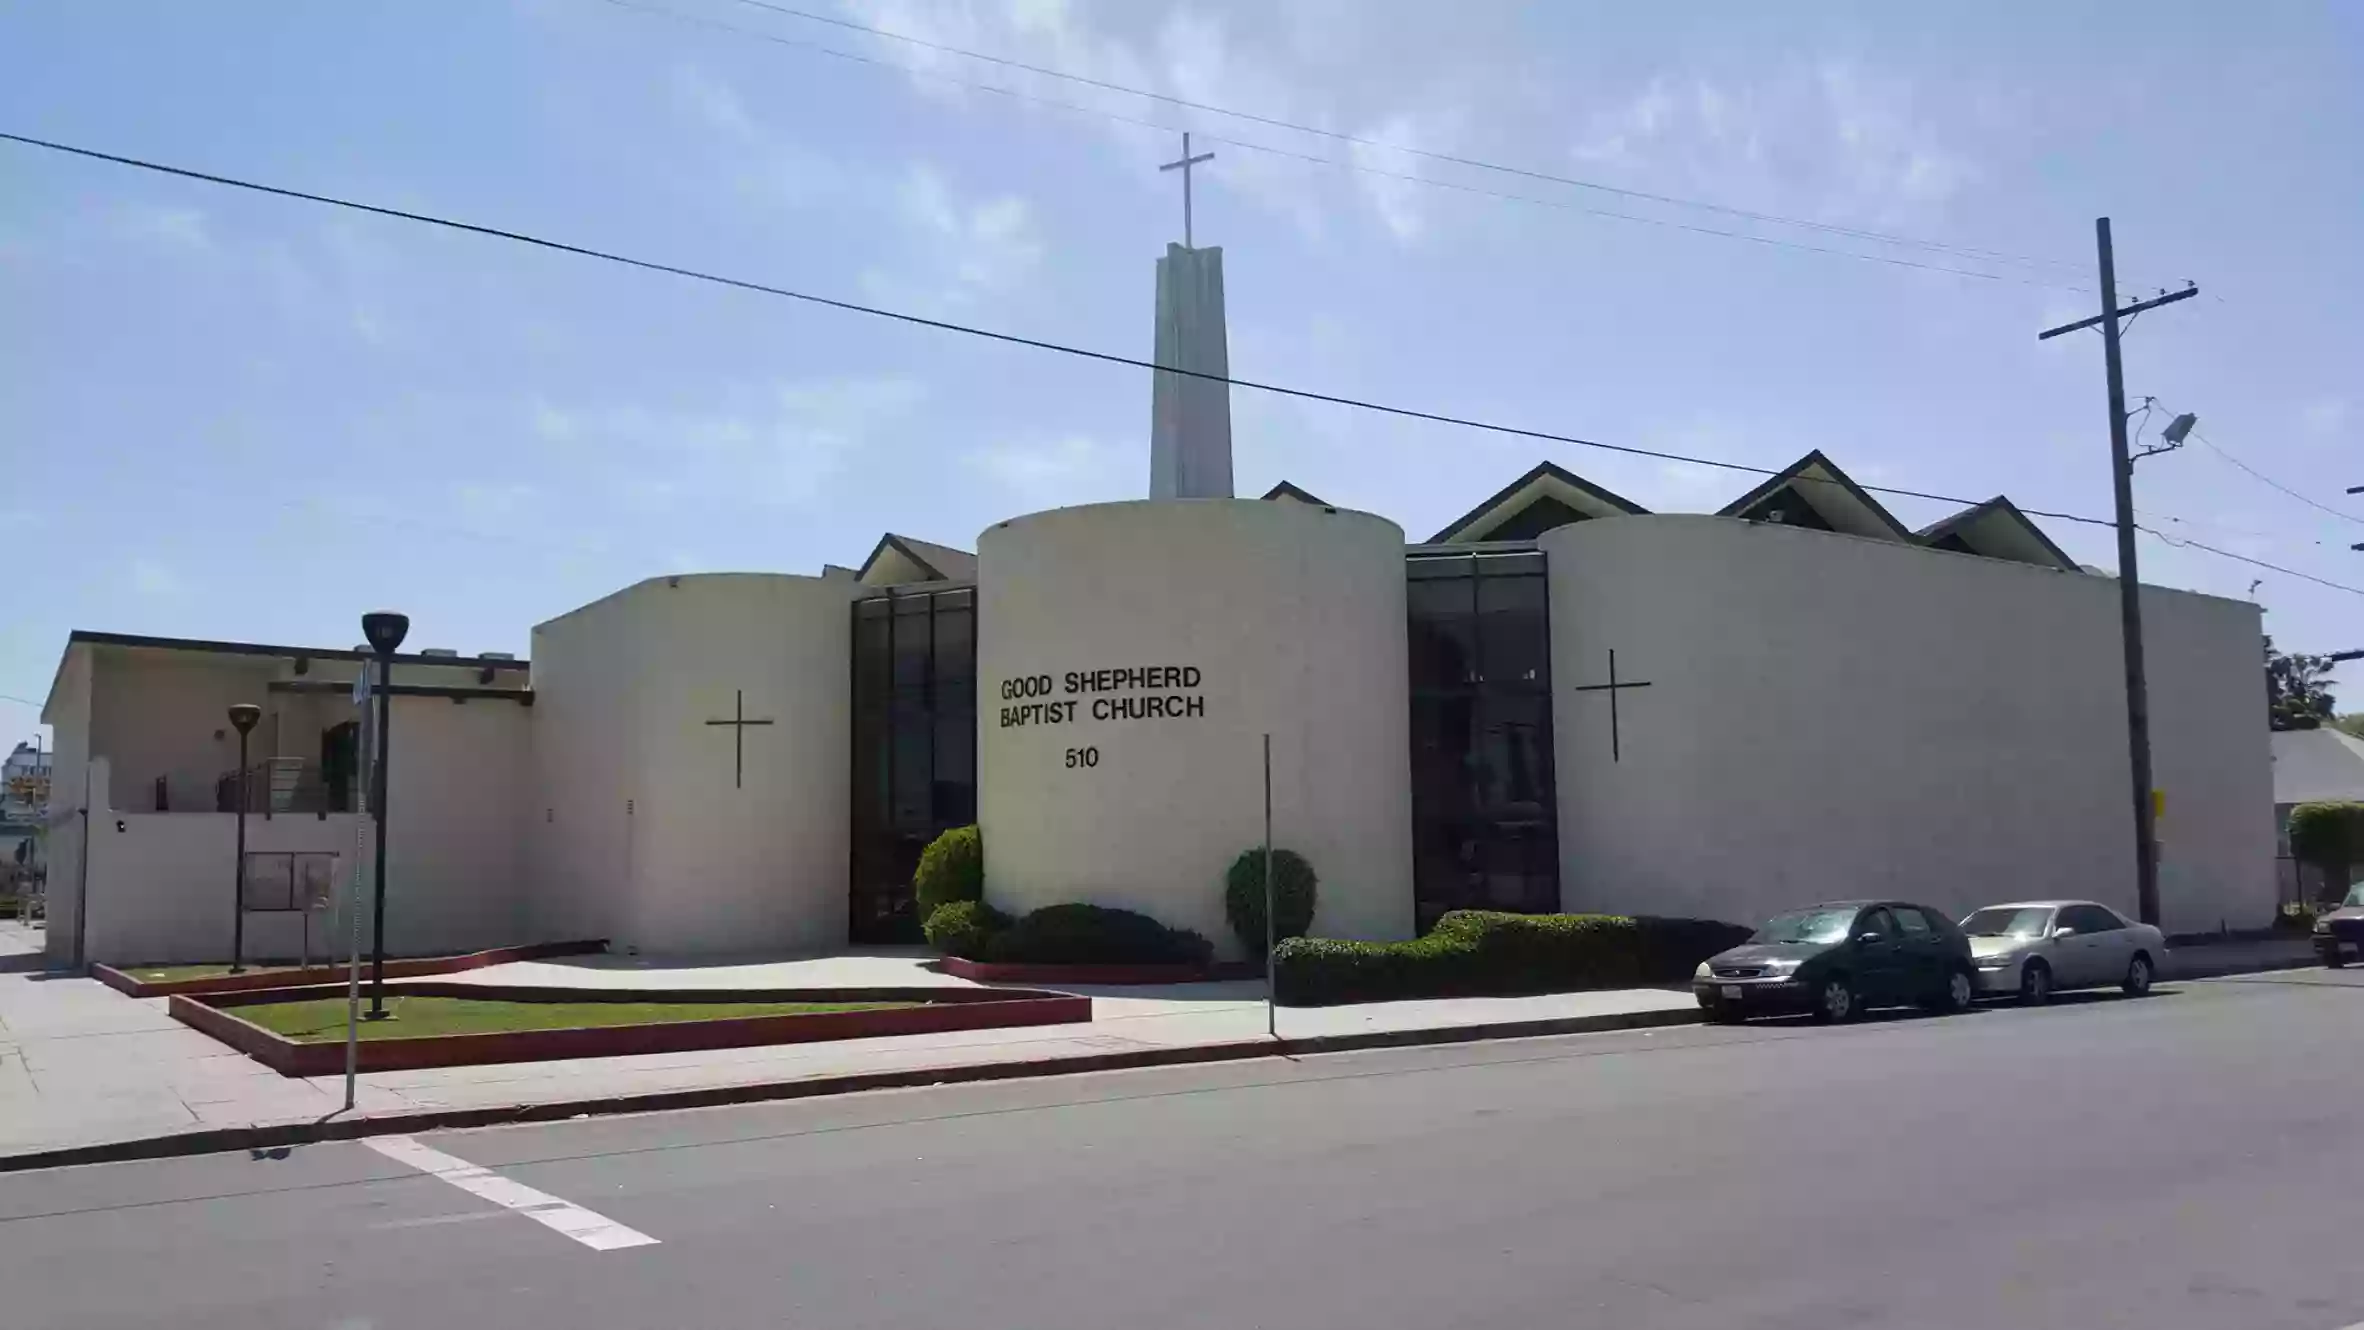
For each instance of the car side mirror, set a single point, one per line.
(2059, 933)
(1862, 938)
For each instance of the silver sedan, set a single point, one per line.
(2028, 949)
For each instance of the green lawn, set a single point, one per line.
(156, 974)
(322, 1020)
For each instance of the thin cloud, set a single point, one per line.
(151, 577)
(1069, 469)
(1826, 139)
(958, 249)
(164, 225)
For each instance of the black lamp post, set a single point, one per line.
(243, 715)
(384, 631)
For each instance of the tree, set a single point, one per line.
(2329, 836)
(2352, 723)
(2298, 692)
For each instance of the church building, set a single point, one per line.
(1560, 701)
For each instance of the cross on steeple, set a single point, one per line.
(1184, 166)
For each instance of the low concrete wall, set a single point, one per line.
(160, 886)
(940, 1009)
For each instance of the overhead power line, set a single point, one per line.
(1343, 164)
(1013, 339)
(2254, 563)
(2269, 480)
(1455, 159)
(942, 325)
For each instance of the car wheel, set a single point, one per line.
(1724, 1014)
(2333, 957)
(2138, 976)
(1960, 992)
(1834, 1002)
(2035, 984)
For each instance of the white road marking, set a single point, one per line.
(471, 1217)
(597, 1232)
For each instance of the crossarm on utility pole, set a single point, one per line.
(2126, 312)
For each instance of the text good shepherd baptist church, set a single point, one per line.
(1154, 693)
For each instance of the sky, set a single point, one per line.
(231, 416)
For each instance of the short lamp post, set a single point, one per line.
(242, 718)
(384, 631)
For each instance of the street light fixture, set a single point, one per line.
(243, 716)
(2179, 429)
(384, 631)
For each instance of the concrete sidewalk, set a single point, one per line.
(89, 1073)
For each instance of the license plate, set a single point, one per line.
(1731, 992)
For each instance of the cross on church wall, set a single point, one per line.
(1613, 687)
(1184, 166)
(738, 722)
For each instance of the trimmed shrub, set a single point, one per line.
(1480, 953)
(1096, 935)
(2328, 835)
(965, 929)
(1292, 897)
(952, 868)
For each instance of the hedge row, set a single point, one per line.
(1481, 953)
(1062, 935)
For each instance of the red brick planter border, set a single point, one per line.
(994, 972)
(946, 1009)
(413, 967)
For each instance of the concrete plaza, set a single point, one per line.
(82, 1065)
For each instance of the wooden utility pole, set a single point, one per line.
(2138, 708)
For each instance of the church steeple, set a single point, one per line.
(1190, 412)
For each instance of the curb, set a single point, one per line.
(281, 1135)
(413, 967)
(2186, 971)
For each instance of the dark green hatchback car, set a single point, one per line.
(1836, 959)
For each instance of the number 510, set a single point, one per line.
(1083, 757)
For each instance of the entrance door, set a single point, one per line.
(339, 755)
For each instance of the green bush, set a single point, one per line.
(952, 868)
(2330, 836)
(1096, 935)
(965, 929)
(1292, 897)
(1478, 953)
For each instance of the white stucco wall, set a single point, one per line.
(461, 778)
(1293, 617)
(640, 834)
(1831, 717)
(68, 717)
(158, 713)
(160, 884)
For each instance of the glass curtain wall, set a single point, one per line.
(1484, 808)
(914, 745)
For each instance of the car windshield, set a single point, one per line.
(2008, 921)
(1806, 926)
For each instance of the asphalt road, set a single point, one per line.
(2189, 1160)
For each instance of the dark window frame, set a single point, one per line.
(900, 719)
(1470, 833)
